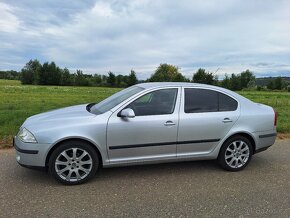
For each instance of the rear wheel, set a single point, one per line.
(235, 154)
(73, 162)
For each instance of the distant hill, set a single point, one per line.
(263, 81)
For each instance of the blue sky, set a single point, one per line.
(117, 35)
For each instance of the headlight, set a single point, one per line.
(26, 136)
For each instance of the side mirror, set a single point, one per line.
(128, 112)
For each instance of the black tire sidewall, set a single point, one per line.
(73, 144)
(221, 157)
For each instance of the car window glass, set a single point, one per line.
(227, 103)
(115, 99)
(200, 100)
(155, 103)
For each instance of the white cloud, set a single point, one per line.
(8, 22)
(120, 35)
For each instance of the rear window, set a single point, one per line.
(204, 100)
(200, 100)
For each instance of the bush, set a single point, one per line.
(261, 88)
(288, 88)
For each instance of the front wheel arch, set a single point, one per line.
(73, 139)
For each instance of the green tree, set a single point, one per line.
(201, 76)
(53, 74)
(30, 72)
(235, 82)
(246, 77)
(132, 78)
(65, 77)
(180, 78)
(121, 81)
(80, 79)
(167, 73)
(271, 84)
(97, 80)
(226, 82)
(43, 74)
(104, 80)
(111, 80)
(278, 83)
(10, 74)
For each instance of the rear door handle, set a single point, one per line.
(169, 123)
(227, 120)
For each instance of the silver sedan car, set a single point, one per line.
(147, 123)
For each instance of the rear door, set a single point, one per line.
(206, 116)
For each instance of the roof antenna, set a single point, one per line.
(217, 70)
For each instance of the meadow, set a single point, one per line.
(17, 102)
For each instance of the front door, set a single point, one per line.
(151, 134)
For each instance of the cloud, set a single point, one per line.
(9, 22)
(115, 35)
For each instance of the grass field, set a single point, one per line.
(17, 102)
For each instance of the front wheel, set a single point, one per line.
(235, 154)
(73, 162)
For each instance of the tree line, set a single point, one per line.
(236, 82)
(10, 75)
(50, 74)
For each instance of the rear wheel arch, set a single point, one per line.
(73, 139)
(246, 135)
(236, 152)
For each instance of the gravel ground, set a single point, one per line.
(187, 189)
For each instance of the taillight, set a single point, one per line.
(275, 118)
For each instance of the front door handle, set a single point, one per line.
(227, 120)
(169, 123)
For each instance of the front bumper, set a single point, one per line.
(30, 154)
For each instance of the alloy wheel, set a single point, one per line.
(237, 154)
(73, 164)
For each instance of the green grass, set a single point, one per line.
(17, 102)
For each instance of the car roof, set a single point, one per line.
(164, 84)
(152, 85)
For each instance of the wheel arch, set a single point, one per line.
(246, 135)
(58, 143)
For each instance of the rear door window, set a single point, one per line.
(200, 100)
(205, 100)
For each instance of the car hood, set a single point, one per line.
(60, 116)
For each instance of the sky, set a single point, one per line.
(222, 36)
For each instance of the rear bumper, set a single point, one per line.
(32, 155)
(264, 140)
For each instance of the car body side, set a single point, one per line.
(256, 121)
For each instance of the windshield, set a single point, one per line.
(114, 100)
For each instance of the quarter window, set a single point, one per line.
(204, 100)
(227, 103)
(155, 103)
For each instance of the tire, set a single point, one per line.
(235, 153)
(73, 162)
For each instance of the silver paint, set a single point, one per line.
(108, 130)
